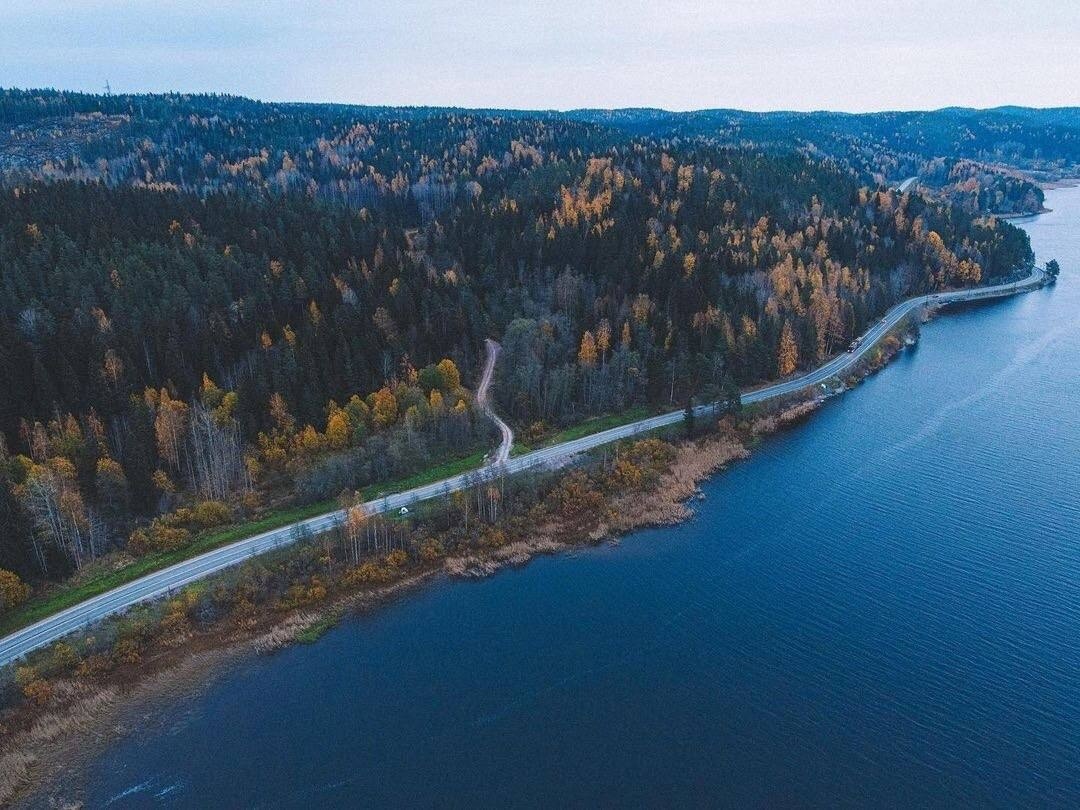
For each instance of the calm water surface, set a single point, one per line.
(882, 607)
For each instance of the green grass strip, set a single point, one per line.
(315, 631)
(586, 428)
(65, 596)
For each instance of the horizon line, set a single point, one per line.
(557, 110)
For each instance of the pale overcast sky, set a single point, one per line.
(752, 54)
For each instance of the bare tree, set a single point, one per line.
(215, 454)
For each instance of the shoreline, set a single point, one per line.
(41, 761)
(1064, 182)
(1028, 215)
(163, 582)
(1045, 185)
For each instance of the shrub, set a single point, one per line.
(208, 514)
(174, 624)
(368, 573)
(158, 536)
(299, 595)
(127, 651)
(244, 609)
(64, 658)
(535, 432)
(38, 691)
(493, 537)
(317, 591)
(577, 501)
(175, 530)
(652, 453)
(625, 476)
(431, 550)
(93, 666)
(13, 591)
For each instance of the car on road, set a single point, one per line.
(853, 346)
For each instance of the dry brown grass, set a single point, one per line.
(544, 540)
(83, 711)
(772, 422)
(79, 716)
(662, 504)
(15, 770)
(285, 632)
(667, 502)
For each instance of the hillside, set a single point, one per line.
(212, 305)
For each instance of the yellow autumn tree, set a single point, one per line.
(436, 403)
(354, 529)
(13, 591)
(279, 414)
(587, 353)
(309, 441)
(338, 429)
(209, 392)
(788, 355)
(384, 407)
(603, 339)
(170, 426)
(450, 373)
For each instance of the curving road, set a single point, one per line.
(503, 453)
(169, 579)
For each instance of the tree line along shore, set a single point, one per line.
(54, 700)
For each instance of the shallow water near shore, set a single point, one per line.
(880, 607)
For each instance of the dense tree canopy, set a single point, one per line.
(206, 296)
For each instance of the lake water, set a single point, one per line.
(881, 607)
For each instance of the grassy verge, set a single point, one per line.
(313, 632)
(65, 596)
(447, 469)
(594, 425)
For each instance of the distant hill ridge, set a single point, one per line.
(883, 145)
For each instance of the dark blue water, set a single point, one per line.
(882, 607)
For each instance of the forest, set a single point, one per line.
(889, 145)
(212, 306)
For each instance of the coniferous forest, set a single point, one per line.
(211, 304)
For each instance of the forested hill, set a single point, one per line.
(1045, 142)
(203, 297)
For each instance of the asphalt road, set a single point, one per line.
(170, 579)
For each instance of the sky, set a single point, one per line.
(855, 55)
